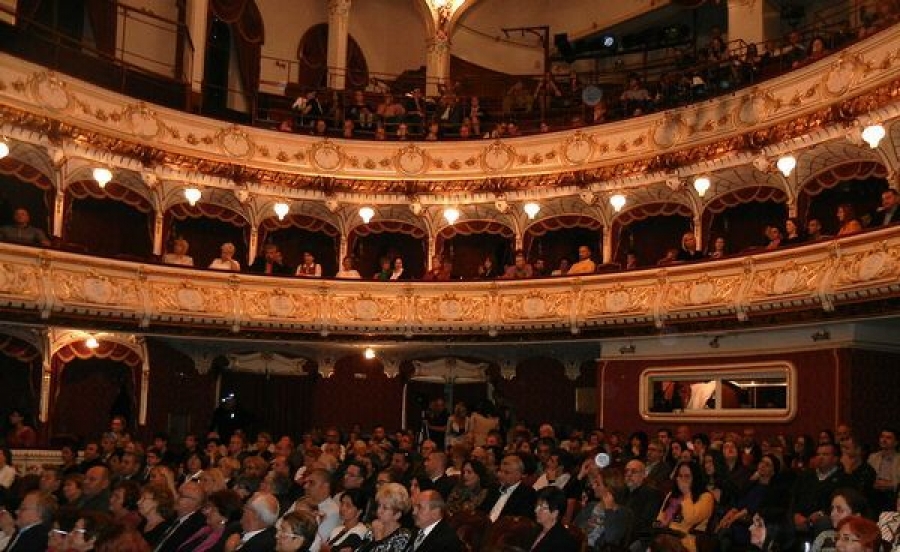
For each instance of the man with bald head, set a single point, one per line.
(512, 498)
(95, 490)
(318, 491)
(257, 525)
(188, 507)
(644, 502)
(436, 474)
(434, 534)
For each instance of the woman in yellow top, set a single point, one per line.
(688, 507)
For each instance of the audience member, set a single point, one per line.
(847, 220)
(179, 255)
(584, 265)
(309, 268)
(226, 261)
(21, 231)
(269, 262)
(347, 271)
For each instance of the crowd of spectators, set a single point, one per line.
(272, 262)
(461, 477)
(557, 100)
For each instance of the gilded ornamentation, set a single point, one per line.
(843, 74)
(143, 121)
(617, 300)
(497, 157)
(451, 308)
(18, 280)
(577, 148)
(879, 264)
(787, 279)
(50, 91)
(668, 131)
(534, 306)
(93, 288)
(703, 291)
(326, 155)
(280, 303)
(411, 160)
(187, 297)
(366, 308)
(234, 141)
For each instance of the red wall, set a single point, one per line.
(835, 385)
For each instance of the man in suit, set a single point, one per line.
(811, 497)
(436, 472)
(270, 262)
(257, 525)
(32, 523)
(513, 498)
(643, 500)
(435, 534)
(889, 212)
(191, 499)
(95, 497)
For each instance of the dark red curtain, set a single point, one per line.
(388, 238)
(114, 221)
(297, 233)
(281, 405)
(88, 393)
(19, 362)
(649, 230)
(358, 392)
(555, 245)
(248, 32)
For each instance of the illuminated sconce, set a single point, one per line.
(617, 201)
(786, 164)
(4, 149)
(91, 343)
(281, 209)
(366, 214)
(369, 353)
(102, 175)
(193, 195)
(702, 184)
(873, 134)
(532, 209)
(451, 214)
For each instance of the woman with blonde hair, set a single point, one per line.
(387, 533)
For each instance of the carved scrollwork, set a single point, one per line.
(366, 308)
(187, 297)
(412, 160)
(144, 122)
(18, 280)
(50, 91)
(879, 264)
(534, 306)
(93, 288)
(578, 148)
(451, 308)
(617, 300)
(497, 157)
(235, 142)
(327, 156)
(788, 279)
(704, 291)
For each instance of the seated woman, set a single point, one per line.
(89, 526)
(686, 508)
(309, 268)
(223, 512)
(845, 502)
(347, 271)
(296, 532)
(387, 533)
(857, 534)
(350, 534)
(846, 216)
(123, 504)
(553, 536)
(179, 255)
(794, 232)
(488, 270)
(226, 259)
(157, 506)
(398, 272)
(718, 250)
(384, 272)
(470, 491)
(604, 521)
(689, 251)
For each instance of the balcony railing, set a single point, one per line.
(816, 278)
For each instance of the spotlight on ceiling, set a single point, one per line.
(786, 164)
(102, 175)
(451, 214)
(281, 209)
(702, 184)
(91, 343)
(369, 353)
(193, 195)
(532, 209)
(873, 134)
(617, 201)
(366, 214)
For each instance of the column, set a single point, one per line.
(342, 250)
(746, 20)
(254, 244)
(698, 231)
(196, 20)
(432, 251)
(158, 234)
(606, 241)
(437, 68)
(338, 33)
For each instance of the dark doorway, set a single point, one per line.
(215, 69)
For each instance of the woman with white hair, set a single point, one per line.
(387, 533)
(226, 261)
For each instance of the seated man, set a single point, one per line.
(585, 264)
(520, 269)
(22, 232)
(513, 498)
(269, 262)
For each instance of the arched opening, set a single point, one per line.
(114, 221)
(388, 239)
(298, 233)
(557, 238)
(24, 186)
(235, 34)
(741, 217)
(649, 231)
(206, 227)
(467, 243)
(19, 378)
(312, 55)
(858, 183)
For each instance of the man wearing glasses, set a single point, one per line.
(188, 505)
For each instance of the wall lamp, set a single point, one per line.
(626, 350)
(821, 335)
